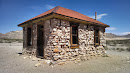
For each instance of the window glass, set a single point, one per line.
(74, 29)
(74, 39)
(96, 36)
(74, 34)
(96, 39)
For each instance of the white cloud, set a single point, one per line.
(125, 33)
(49, 6)
(111, 28)
(99, 16)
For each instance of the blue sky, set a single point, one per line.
(115, 13)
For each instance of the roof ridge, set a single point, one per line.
(81, 14)
(56, 9)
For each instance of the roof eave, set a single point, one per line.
(21, 24)
(68, 18)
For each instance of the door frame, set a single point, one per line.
(38, 55)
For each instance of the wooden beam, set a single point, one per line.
(37, 20)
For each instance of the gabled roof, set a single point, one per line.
(67, 12)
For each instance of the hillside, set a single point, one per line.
(110, 35)
(0, 34)
(19, 35)
(127, 36)
(12, 35)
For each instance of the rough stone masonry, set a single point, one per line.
(57, 41)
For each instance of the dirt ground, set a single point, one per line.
(10, 62)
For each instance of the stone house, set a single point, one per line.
(63, 34)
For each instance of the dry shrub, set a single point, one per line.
(106, 48)
(120, 49)
(128, 49)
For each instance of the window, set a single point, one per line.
(74, 35)
(86, 26)
(29, 36)
(96, 37)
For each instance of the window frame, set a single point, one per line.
(96, 36)
(71, 35)
(31, 37)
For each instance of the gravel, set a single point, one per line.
(12, 62)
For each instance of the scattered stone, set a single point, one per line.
(48, 61)
(79, 64)
(105, 55)
(33, 59)
(61, 63)
(38, 64)
(128, 58)
(19, 54)
(30, 57)
(38, 59)
(24, 57)
(52, 66)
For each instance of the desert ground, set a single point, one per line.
(12, 62)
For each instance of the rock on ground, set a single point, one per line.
(10, 62)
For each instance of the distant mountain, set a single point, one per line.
(110, 35)
(127, 36)
(12, 35)
(19, 35)
(0, 34)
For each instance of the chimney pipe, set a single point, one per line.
(95, 15)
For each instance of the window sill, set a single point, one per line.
(97, 44)
(74, 46)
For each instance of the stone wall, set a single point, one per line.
(24, 40)
(34, 38)
(47, 50)
(24, 37)
(102, 36)
(30, 50)
(86, 42)
(57, 41)
(100, 48)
